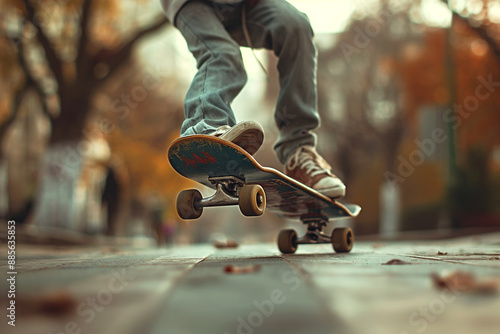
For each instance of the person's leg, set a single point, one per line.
(278, 26)
(221, 74)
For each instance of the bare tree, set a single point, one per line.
(73, 68)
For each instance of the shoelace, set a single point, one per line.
(248, 40)
(221, 130)
(307, 158)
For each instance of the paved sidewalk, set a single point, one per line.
(255, 289)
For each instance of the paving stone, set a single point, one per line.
(188, 289)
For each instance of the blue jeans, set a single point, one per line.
(214, 35)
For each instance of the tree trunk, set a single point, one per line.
(60, 172)
(75, 107)
(57, 200)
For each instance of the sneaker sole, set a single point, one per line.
(336, 192)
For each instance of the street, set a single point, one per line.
(380, 287)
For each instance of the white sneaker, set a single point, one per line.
(309, 168)
(248, 135)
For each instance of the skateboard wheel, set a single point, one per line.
(186, 204)
(252, 200)
(287, 241)
(342, 239)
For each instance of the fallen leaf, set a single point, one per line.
(225, 244)
(58, 303)
(55, 303)
(442, 253)
(395, 262)
(464, 282)
(230, 269)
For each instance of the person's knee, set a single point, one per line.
(292, 31)
(295, 23)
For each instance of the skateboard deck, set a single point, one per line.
(200, 157)
(238, 179)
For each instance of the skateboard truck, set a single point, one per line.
(229, 190)
(226, 191)
(314, 234)
(341, 239)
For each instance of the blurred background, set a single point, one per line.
(91, 96)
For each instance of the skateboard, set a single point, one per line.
(238, 179)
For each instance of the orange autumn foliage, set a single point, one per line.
(424, 81)
(148, 167)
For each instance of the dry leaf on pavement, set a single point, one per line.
(395, 262)
(230, 269)
(464, 282)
